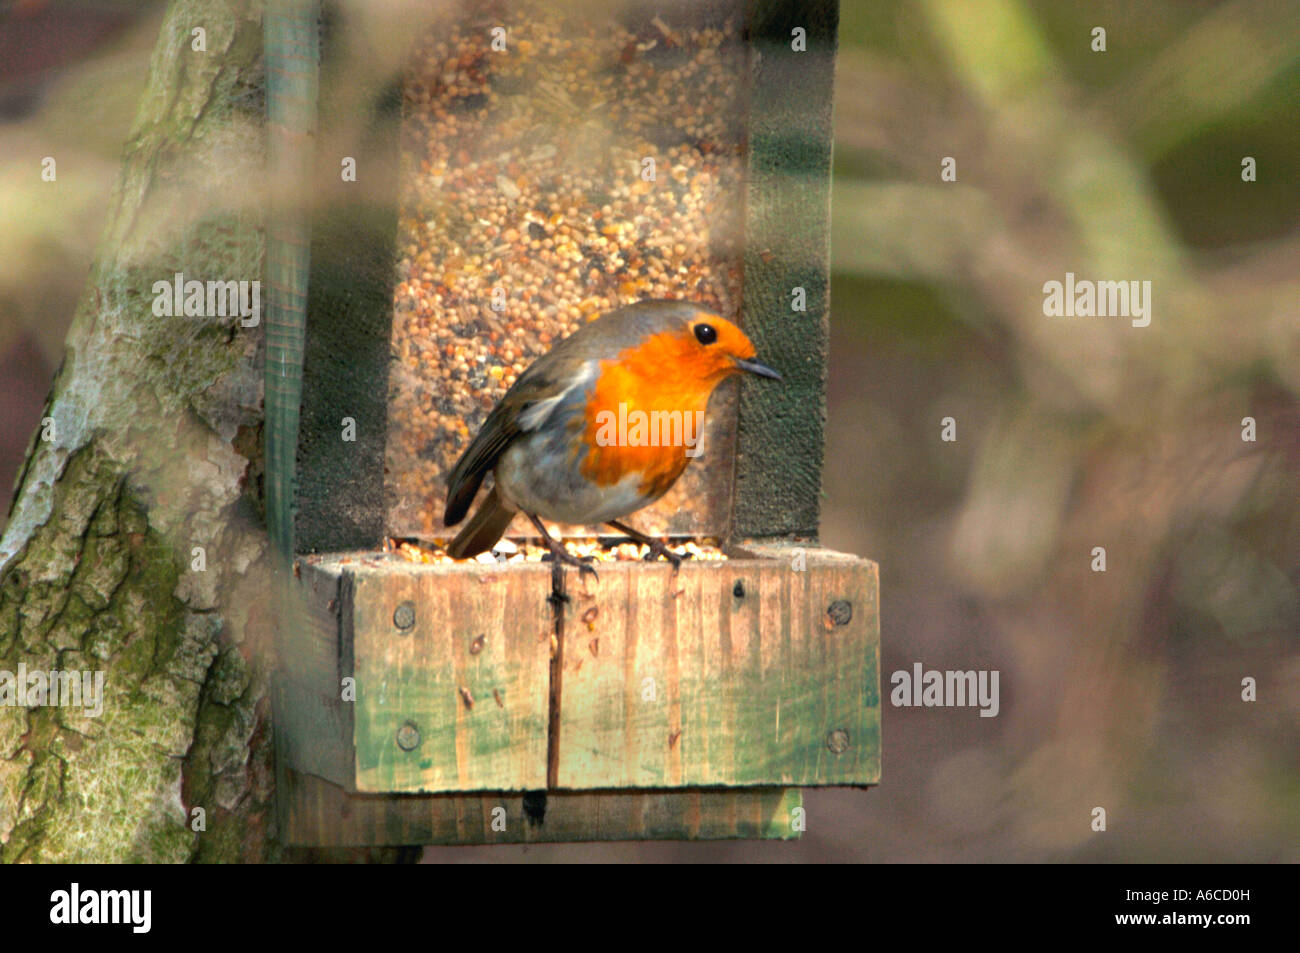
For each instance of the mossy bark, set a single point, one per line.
(136, 545)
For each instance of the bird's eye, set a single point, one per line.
(706, 333)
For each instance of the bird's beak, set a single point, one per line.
(756, 367)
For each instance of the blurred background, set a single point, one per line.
(1119, 689)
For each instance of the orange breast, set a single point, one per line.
(646, 409)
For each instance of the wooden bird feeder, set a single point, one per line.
(452, 702)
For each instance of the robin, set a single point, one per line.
(598, 427)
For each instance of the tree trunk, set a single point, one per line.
(136, 544)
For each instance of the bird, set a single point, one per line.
(563, 443)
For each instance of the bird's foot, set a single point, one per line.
(562, 556)
(660, 550)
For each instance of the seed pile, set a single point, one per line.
(527, 209)
(601, 551)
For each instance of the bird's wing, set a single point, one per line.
(528, 404)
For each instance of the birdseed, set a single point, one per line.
(601, 550)
(524, 214)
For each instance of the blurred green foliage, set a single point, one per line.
(1121, 689)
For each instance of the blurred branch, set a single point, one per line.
(909, 232)
(995, 46)
(1044, 187)
(1239, 49)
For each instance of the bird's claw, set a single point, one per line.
(585, 565)
(580, 563)
(659, 551)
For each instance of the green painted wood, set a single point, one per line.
(291, 53)
(669, 682)
(678, 682)
(292, 67)
(780, 441)
(323, 814)
(313, 724)
(459, 700)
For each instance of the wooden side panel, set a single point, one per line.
(760, 671)
(458, 700)
(322, 814)
(780, 437)
(312, 722)
(337, 500)
(735, 673)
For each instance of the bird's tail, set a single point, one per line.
(483, 529)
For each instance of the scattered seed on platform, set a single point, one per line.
(531, 551)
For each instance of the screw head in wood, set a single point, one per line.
(838, 741)
(840, 612)
(404, 616)
(408, 736)
(738, 590)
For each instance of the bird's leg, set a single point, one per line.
(657, 548)
(561, 557)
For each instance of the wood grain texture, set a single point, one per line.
(680, 682)
(313, 725)
(669, 681)
(323, 814)
(780, 436)
(471, 676)
(747, 691)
